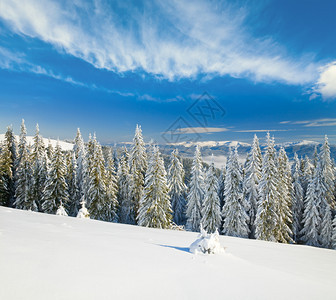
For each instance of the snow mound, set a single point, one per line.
(207, 243)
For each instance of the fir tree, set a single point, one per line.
(325, 237)
(283, 232)
(50, 151)
(82, 167)
(55, 194)
(251, 182)
(328, 175)
(99, 207)
(71, 179)
(312, 217)
(138, 166)
(196, 193)
(315, 157)
(39, 168)
(111, 187)
(24, 199)
(7, 169)
(177, 188)
(297, 200)
(155, 209)
(307, 170)
(211, 214)
(221, 181)
(266, 218)
(235, 218)
(124, 198)
(333, 238)
(22, 146)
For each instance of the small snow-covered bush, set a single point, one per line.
(83, 212)
(61, 211)
(207, 243)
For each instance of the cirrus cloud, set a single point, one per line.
(168, 39)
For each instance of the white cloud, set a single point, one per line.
(263, 130)
(326, 84)
(195, 130)
(170, 39)
(313, 123)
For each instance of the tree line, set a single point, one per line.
(267, 197)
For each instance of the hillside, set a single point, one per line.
(52, 257)
(30, 140)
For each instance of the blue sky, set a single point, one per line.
(105, 66)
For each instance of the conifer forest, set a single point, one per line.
(268, 197)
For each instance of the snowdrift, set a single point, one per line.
(56, 257)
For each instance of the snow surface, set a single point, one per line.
(30, 140)
(54, 257)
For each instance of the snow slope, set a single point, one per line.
(53, 257)
(30, 140)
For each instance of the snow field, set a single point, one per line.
(55, 257)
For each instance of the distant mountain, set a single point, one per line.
(220, 149)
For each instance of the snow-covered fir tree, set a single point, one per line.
(39, 167)
(266, 218)
(111, 186)
(82, 167)
(155, 209)
(211, 212)
(138, 166)
(50, 150)
(221, 181)
(315, 157)
(99, 206)
(327, 173)
(325, 237)
(307, 170)
(124, 198)
(297, 200)
(22, 146)
(327, 194)
(55, 193)
(177, 188)
(24, 199)
(235, 218)
(7, 169)
(195, 194)
(71, 179)
(312, 203)
(333, 237)
(283, 232)
(251, 182)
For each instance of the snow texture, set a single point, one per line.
(48, 257)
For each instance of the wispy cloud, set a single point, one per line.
(17, 62)
(263, 130)
(325, 122)
(194, 130)
(170, 39)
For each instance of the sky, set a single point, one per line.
(184, 71)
